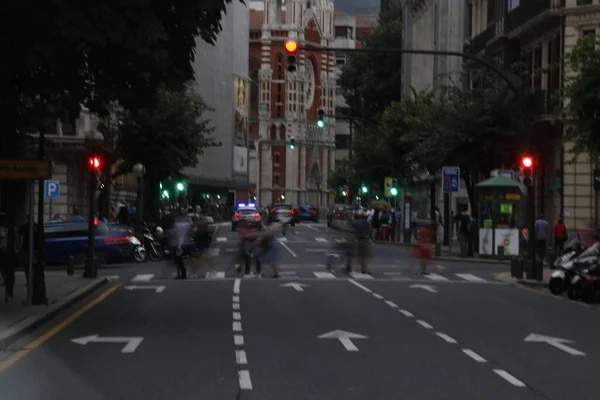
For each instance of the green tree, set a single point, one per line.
(165, 137)
(581, 90)
(90, 53)
(371, 81)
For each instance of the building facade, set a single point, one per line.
(222, 80)
(284, 104)
(539, 34)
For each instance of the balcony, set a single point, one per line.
(483, 39)
(531, 12)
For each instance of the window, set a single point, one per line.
(273, 132)
(490, 10)
(342, 141)
(276, 179)
(340, 60)
(512, 4)
(469, 21)
(276, 157)
(279, 67)
(282, 132)
(537, 67)
(589, 32)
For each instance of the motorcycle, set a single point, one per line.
(152, 246)
(582, 267)
(564, 265)
(589, 286)
(140, 254)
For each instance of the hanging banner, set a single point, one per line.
(240, 160)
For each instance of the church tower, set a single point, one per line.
(288, 103)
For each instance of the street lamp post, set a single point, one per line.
(139, 170)
(94, 141)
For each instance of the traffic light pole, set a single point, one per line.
(90, 263)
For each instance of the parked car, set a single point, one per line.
(308, 213)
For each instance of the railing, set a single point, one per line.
(528, 10)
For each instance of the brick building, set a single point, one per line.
(283, 105)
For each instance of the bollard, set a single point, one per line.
(71, 266)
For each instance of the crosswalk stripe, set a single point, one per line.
(322, 240)
(142, 277)
(358, 275)
(282, 239)
(218, 275)
(221, 239)
(470, 278)
(341, 240)
(324, 275)
(435, 277)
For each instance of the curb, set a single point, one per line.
(34, 321)
(505, 277)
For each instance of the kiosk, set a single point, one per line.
(501, 203)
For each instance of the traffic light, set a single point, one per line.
(180, 186)
(283, 196)
(292, 144)
(95, 163)
(527, 167)
(165, 194)
(394, 188)
(321, 118)
(344, 193)
(291, 46)
(364, 189)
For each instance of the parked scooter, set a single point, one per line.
(564, 265)
(582, 267)
(589, 286)
(154, 249)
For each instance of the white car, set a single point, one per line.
(285, 213)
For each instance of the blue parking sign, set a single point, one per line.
(52, 189)
(451, 179)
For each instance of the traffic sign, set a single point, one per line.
(25, 169)
(451, 179)
(508, 173)
(52, 189)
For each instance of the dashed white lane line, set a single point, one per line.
(470, 278)
(240, 357)
(435, 277)
(324, 275)
(142, 278)
(424, 324)
(285, 246)
(474, 355)
(321, 240)
(236, 299)
(237, 326)
(358, 285)
(236, 286)
(237, 316)
(378, 296)
(447, 338)
(406, 313)
(238, 340)
(236, 306)
(244, 379)
(508, 377)
(221, 239)
(282, 239)
(391, 304)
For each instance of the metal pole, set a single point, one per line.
(90, 270)
(447, 223)
(37, 278)
(31, 242)
(258, 162)
(139, 205)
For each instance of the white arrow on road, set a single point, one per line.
(429, 288)
(130, 347)
(157, 289)
(559, 343)
(344, 338)
(297, 286)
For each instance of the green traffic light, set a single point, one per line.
(165, 194)
(292, 146)
(180, 186)
(393, 191)
(320, 124)
(364, 189)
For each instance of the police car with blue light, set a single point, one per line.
(247, 214)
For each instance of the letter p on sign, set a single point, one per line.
(52, 189)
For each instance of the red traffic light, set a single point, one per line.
(527, 162)
(94, 163)
(291, 46)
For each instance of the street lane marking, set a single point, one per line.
(236, 306)
(244, 379)
(508, 377)
(285, 246)
(474, 355)
(236, 286)
(215, 275)
(238, 340)
(240, 357)
(358, 275)
(378, 296)
(435, 277)
(52, 332)
(237, 316)
(406, 313)
(447, 338)
(341, 240)
(221, 239)
(321, 240)
(237, 326)
(282, 239)
(366, 289)
(424, 324)
(324, 275)
(311, 227)
(142, 277)
(391, 304)
(236, 299)
(470, 277)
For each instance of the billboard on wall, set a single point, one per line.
(241, 103)
(240, 160)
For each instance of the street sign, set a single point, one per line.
(451, 179)
(508, 173)
(52, 189)
(32, 170)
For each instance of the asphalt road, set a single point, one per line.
(310, 337)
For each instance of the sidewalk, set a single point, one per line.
(62, 291)
(547, 274)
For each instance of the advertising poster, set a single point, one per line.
(240, 160)
(485, 241)
(509, 239)
(241, 103)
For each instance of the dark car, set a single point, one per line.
(66, 239)
(284, 213)
(308, 213)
